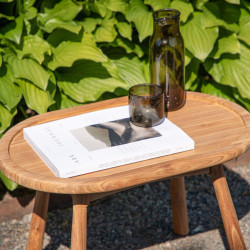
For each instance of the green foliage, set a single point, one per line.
(56, 54)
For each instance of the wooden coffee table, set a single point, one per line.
(221, 130)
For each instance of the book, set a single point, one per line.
(100, 140)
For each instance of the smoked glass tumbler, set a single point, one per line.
(146, 105)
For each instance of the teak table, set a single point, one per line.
(221, 130)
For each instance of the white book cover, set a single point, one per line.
(100, 140)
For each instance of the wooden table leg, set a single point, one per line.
(38, 221)
(79, 222)
(227, 210)
(179, 206)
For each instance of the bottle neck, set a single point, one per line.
(166, 28)
(166, 22)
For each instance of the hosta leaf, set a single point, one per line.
(99, 8)
(220, 14)
(8, 183)
(117, 5)
(65, 10)
(60, 35)
(36, 98)
(198, 41)
(159, 4)
(56, 23)
(191, 73)
(227, 45)
(233, 71)
(141, 17)
(13, 30)
(28, 69)
(29, 13)
(243, 101)
(68, 52)
(246, 4)
(233, 1)
(86, 81)
(10, 94)
(188, 57)
(34, 47)
(131, 70)
(125, 29)
(89, 24)
(130, 47)
(220, 90)
(185, 8)
(6, 117)
(199, 4)
(244, 33)
(106, 32)
(63, 102)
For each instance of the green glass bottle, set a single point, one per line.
(166, 54)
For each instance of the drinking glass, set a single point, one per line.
(146, 105)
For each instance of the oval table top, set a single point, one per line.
(220, 129)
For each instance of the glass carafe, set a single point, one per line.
(166, 52)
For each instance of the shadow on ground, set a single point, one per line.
(141, 217)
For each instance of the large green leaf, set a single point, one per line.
(60, 35)
(242, 101)
(99, 7)
(131, 70)
(34, 47)
(233, 71)
(141, 17)
(68, 52)
(13, 30)
(86, 81)
(184, 7)
(220, 90)
(56, 23)
(199, 41)
(130, 47)
(117, 5)
(36, 98)
(89, 24)
(244, 33)
(65, 10)
(191, 73)
(220, 14)
(159, 4)
(10, 94)
(6, 117)
(233, 1)
(106, 32)
(28, 69)
(228, 44)
(63, 102)
(8, 183)
(125, 29)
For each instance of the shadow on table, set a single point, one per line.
(141, 217)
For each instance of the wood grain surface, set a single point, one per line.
(220, 129)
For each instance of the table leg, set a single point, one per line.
(38, 221)
(227, 210)
(79, 222)
(179, 206)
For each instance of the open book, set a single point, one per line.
(100, 140)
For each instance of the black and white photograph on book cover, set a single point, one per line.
(113, 133)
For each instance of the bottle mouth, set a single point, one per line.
(166, 14)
